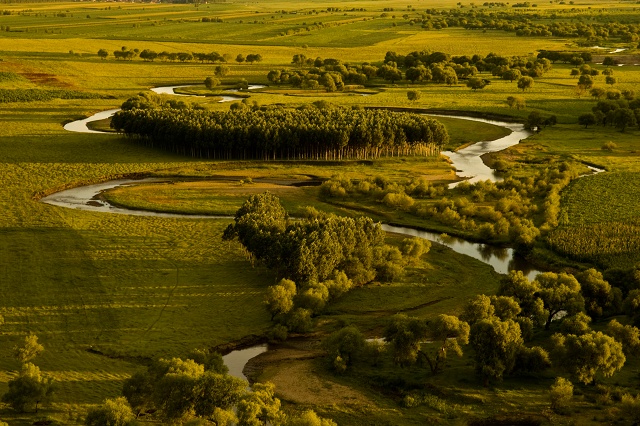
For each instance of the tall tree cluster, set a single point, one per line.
(319, 258)
(309, 249)
(308, 133)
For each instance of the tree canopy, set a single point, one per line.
(279, 133)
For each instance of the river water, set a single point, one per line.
(170, 90)
(468, 161)
(80, 126)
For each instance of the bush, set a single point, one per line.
(561, 393)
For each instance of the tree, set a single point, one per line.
(476, 83)
(585, 82)
(114, 412)
(240, 58)
(28, 389)
(29, 349)
(299, 59)
(559, 292)
(254, 57)
(148, 55)
(179, 390)
(279, 297)
(505, 307)
(511, 75)
(212, 361)
(628, 335)
(314, 296)
(309, 418)
(260, 406)
(449, 332)
(595, 290)
(631, 306)
(274, 76)
(608, 61)
(221, 70)
(415, 247)
(393, 75)
(407, 334)
(404, 334)
(478, 309)
(347, 343)
(586, 120)
(525, 83)
(525, 292)
(419, 73)
(597, 92)
(413, 95)
(211, 82)
(561, 393)
(587, 355)
(623, 117)
(576, 324)
(531, 360)
(103, 53)
(630, 407)
(450, 76)
(610, 80)
(185, 56)
(496, 344)
(534, 122)
(516, 102)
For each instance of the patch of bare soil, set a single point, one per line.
(294, 373)
(45, 79)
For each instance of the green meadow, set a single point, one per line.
(105, 293)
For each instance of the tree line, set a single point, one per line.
(615, 108)
(279, 133)
(528, 25)
(417, 67)
(148, 55)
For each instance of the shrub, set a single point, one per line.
(561, 393)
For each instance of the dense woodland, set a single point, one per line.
(279, 133)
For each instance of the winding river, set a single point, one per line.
(467, 162)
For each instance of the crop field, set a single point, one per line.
(600, 220)
(107, 293)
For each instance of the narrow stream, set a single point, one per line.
(170, 90)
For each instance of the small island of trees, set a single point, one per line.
(278, 133)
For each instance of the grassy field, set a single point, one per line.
(140, 287)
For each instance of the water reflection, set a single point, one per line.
(501, 259)
(236, 360)
(468, 161)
